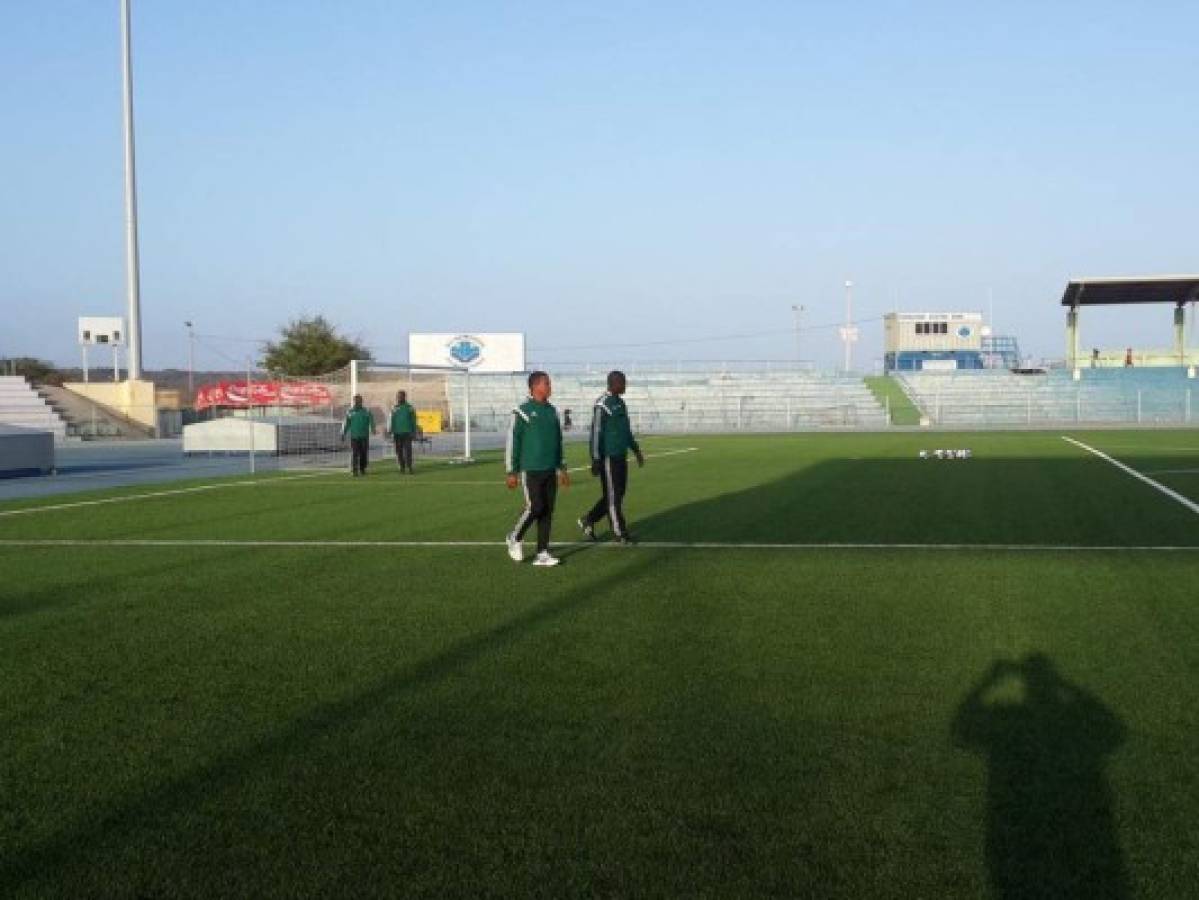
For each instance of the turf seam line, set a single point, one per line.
(1172, 494)
(645, 545)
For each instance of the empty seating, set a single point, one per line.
(1100, 396)
(679, 402)
(21, 405)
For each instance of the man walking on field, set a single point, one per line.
(534, 460)
(611, 440)
(404, 429)
(359, 425)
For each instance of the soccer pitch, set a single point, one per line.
(829, 669)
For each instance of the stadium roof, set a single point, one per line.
(1177, 289)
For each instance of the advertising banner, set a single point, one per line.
(475, 351)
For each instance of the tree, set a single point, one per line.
(35, 370)
(311, 347)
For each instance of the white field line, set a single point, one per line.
(498, 482)
(200, 488)
(1150, 448)
(1172, 494)
(587, 468)
(1174, 472)
(646, 545)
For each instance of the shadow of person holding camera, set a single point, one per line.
(1051, 828)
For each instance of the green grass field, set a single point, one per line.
(961, 679)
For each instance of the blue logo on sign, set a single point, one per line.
(465, 350)
(964, 331)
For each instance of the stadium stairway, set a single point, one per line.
(90, 420)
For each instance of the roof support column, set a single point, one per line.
(1072, 338)
(1180, 333)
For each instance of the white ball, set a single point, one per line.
(924, 454)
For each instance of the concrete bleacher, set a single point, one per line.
(21, 405)
(1100, 396)
(683, 402)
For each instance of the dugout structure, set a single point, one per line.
(1178, 290)
(25, 451)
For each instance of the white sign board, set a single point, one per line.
(938, 365)
(99, 330)
(477, 352)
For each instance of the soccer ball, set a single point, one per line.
(924, 454)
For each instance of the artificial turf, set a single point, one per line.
(366, 718)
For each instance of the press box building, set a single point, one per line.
(929, 342)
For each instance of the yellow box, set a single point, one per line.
(429, 421)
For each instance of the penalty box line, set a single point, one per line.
(1140, 476)
(218, 543)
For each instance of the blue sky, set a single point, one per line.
(594, 174)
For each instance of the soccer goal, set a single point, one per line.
(441, 397)
(296, 421)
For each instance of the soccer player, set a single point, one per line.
(403, 428)
(611, 440)
(535, 461)
(359, 425)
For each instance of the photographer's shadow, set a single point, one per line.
(1051, 828)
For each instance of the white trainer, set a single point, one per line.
(544, 559)
(515, 550)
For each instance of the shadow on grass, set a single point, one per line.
(1051, 828)
(1047, 500)
(190, 789)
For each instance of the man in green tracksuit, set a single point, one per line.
(611, 440)
(535, 461)
(359, 425)
(404, 429)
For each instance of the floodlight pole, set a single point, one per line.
(848, 326)
(798, 310)
(132, 276)
(191, 363)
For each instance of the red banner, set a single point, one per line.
(232, 394)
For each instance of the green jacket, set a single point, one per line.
(403, 420)
(611, 434)
(534, 439)
(360, 423)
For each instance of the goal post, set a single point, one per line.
(308, 411)
(297, 420)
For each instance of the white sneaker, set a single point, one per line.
(544, 559)
(515, 550)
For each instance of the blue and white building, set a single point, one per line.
(927, 341)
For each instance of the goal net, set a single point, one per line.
(296, 421)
